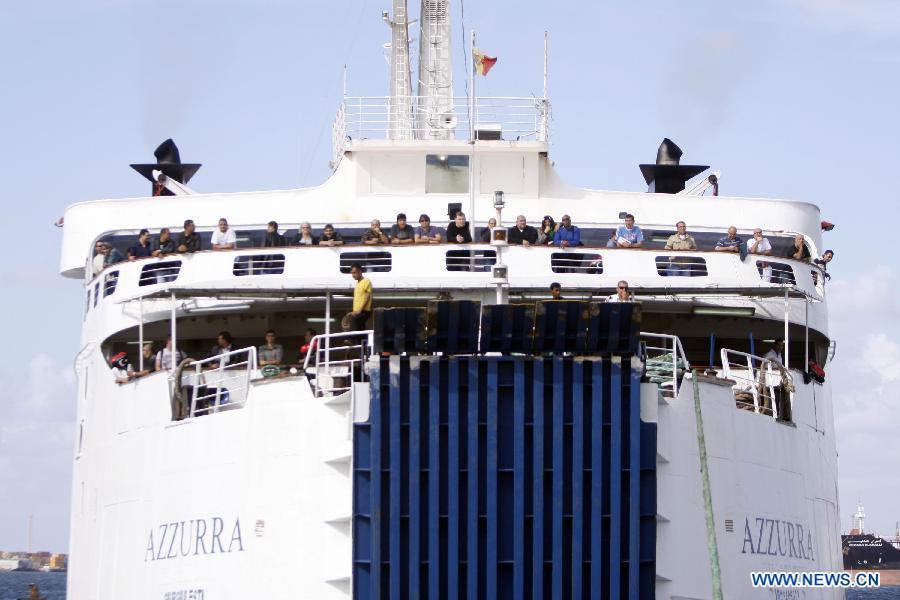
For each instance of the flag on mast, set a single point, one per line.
(482, 63)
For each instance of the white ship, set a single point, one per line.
(496, 444)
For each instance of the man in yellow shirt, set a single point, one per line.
(362, 299)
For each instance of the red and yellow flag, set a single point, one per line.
(482, 63)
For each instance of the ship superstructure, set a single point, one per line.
(480, 440)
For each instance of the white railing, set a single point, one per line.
(368, 117)
(334, 368)
(665, 361)
(221, 382)
(759, 382)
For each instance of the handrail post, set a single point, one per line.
(674, 368)
(194, 395)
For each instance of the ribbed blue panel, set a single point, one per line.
(504, 477)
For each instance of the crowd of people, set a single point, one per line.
(563, 234)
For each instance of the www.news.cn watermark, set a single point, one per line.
(815, 579)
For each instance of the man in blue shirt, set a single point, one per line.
(627, 236)
(142, 249)
(568, 234)
(729, 243)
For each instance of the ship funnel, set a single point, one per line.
(668, 176)
(168, 161)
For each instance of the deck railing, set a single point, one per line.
(336, 361)
(760, 384)
(221, 382)
(666, 361)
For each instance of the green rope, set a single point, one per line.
(707, 498)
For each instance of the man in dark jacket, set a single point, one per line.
(522, 233)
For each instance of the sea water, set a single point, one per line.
(14, 584)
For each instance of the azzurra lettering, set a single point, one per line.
(191, 538)
(777, 538)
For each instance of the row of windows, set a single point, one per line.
(473, 261)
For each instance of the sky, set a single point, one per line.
(792, 99)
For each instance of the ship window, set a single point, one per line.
(371, 262)
(471, 260)
(775, 272)
(110, 281)
(259, 264)
(87, 302)
(96, 293)
(160, 272)
(681, 266)
(576, 262)
(446, 173)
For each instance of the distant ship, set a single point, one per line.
(867, 550)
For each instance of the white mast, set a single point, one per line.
(401, 89)
(435, 120)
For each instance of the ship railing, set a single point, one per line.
(665, 361)
(760, 384)
(221, 382)
(510, 117)
(337, 360)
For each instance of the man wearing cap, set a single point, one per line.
(522, 233)
(401, 232)
(425, 233)
(555, 291)
(122, 370)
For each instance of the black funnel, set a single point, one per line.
(168, 160)
(667, 176)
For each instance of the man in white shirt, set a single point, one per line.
(223, 238)
(760, 245)
(99, 257)
(776, 354)
(623, 293)
(164, 357)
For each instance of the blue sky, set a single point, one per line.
(793, 99)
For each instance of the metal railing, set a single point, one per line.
(159, 272)
(576, 262)
(222, 381)
(760, 383)
(665, 361)
(258, 264)
(518, 118)
(681, 266)
(336, 368)
(476, 260)
(776, 272)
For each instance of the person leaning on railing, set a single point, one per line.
(164, 244)
(680, 240)
(142, 249)
(425, 233)
(623, 293)
(485, 235)
(800, 251)
(374, 236)
(189, 239)
(401, 232)
(330, 237)
(305, 236)
(567, 235)
(224, 237)
(628, 235)
(459, 231)
(522, 233)
(547, 231)
(761, 245)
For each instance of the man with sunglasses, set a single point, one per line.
(623, 293)
(567, 235)
(426, 234)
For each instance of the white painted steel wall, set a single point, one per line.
(280, 466)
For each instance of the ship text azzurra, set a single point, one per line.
(195, 537)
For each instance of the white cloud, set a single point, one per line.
(865, 320)
(36, 437)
